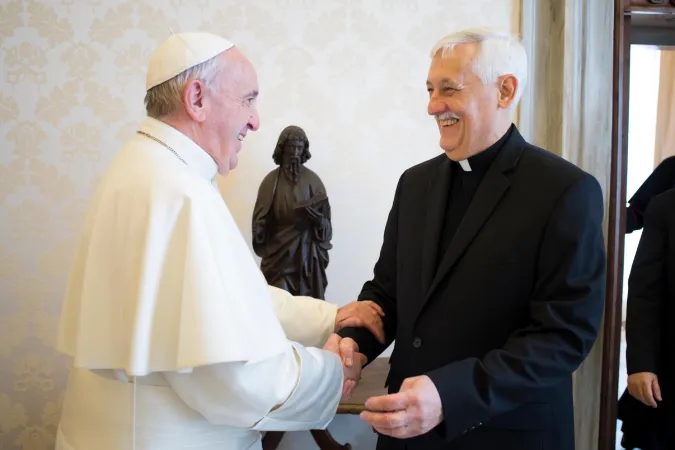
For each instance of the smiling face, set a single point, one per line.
(223, 113)
(234, 111)
(470, 115)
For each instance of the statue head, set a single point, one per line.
(292, 151)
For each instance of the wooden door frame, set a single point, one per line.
(616, 232)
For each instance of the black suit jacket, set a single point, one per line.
(650, 336)
(513, 309)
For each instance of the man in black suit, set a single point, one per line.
(491, 274)
(648, 413)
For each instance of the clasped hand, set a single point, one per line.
(352, 361)
(415, 410)
(366, 314)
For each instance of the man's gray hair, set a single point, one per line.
(163, 99)
(499, 54)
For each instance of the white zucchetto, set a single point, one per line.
(180, 52)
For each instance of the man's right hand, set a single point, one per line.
(352, 361)
(644, 386)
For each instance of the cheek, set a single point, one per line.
(243, 117)
(472, 114)
(227, 121)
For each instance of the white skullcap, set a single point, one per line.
(181, 52)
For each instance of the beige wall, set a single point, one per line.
(350, 72)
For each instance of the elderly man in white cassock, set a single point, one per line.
(177, 340)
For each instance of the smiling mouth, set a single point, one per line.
(447, 122)
(240, 137)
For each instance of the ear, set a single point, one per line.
(194, 99)
(508, 86)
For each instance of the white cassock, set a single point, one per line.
(177, 340)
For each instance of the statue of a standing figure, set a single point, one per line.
(291, 220)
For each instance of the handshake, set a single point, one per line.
(366, 314)
(352, 361)
(414, 410)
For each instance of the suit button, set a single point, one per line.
(417, 342)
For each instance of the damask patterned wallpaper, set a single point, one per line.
(351, 72)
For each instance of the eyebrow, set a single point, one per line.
(251, 94)
(446, 81)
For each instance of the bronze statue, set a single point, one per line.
(292, 221)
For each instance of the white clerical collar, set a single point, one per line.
(466, 167)
(186, 149)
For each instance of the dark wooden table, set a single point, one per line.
(371, 385)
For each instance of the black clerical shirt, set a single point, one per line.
(463, 186)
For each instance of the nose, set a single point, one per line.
(436, 106)
(254, 121)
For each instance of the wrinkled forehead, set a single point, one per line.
(454, 64)
(239, 72)
(250, 75)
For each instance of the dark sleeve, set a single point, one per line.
(634, 219)
(382, 288)
(646, 292)
(659, 181)
(566, 309)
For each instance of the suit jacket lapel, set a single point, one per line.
(439, 186)
(487, 197)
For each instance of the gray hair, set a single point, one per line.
(163, 99)
(499, 54)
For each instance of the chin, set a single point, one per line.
(454, 153)
(449, 147)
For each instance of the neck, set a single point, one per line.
(190, 129)
(495, 134)
(181, 125)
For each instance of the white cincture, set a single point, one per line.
(133, 417)
(122, 376)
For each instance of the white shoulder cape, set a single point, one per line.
(162, 278)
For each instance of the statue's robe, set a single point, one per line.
(292, 232)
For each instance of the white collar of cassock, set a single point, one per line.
(194, 156)
(466, 167)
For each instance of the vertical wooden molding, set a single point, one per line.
(617, 214)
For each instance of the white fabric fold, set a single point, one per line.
(162, 278)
